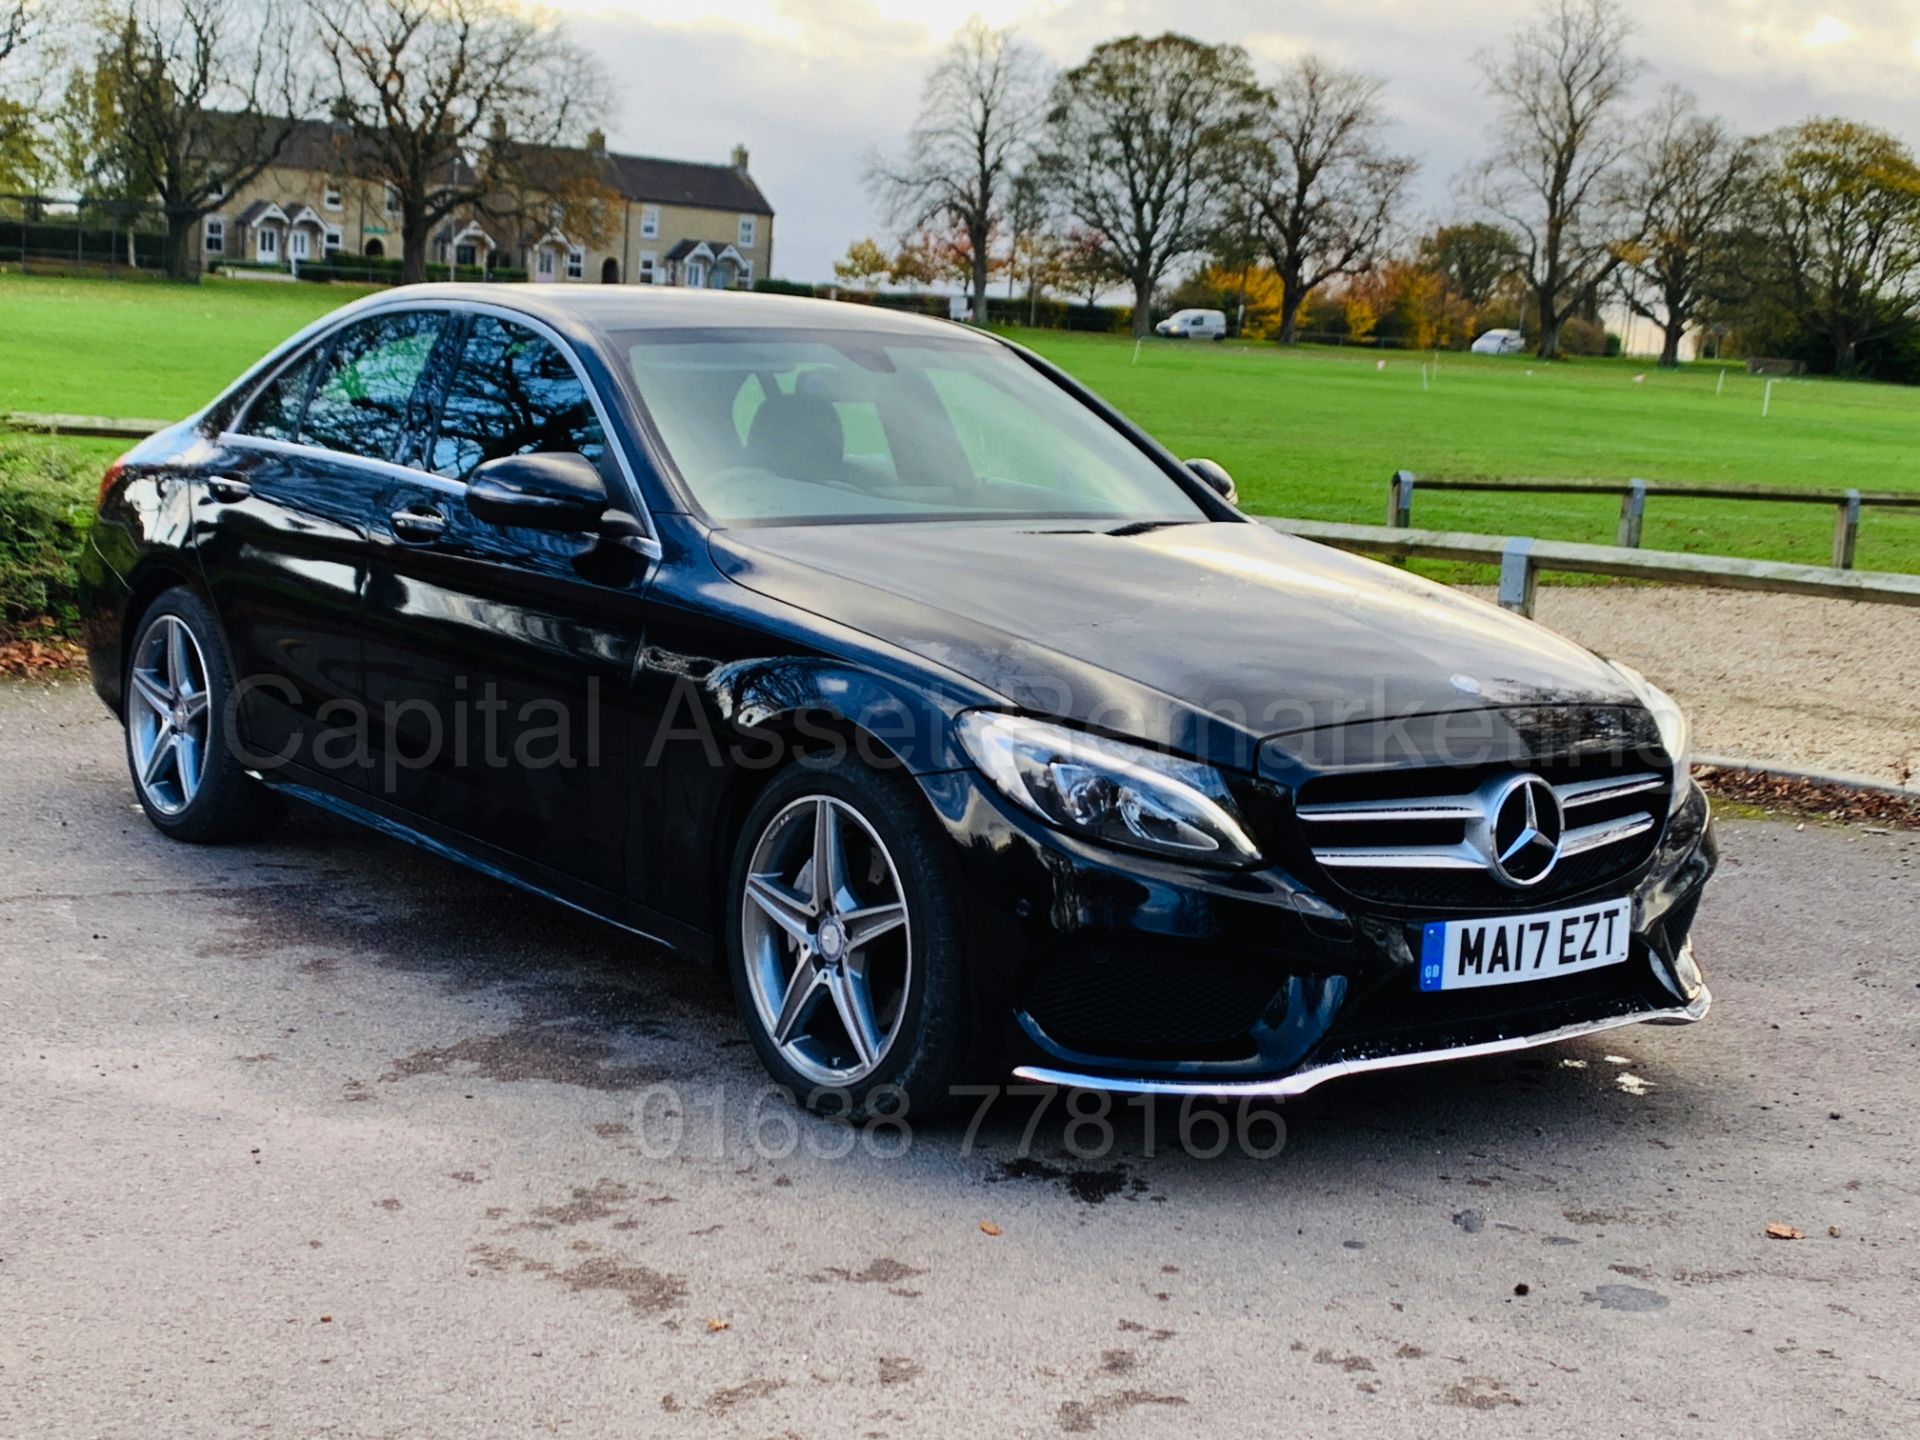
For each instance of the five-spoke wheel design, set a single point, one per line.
(168, 715)
(827, 940)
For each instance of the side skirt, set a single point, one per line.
(660, 930)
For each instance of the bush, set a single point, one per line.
(1582, 337)
(781, 287)
(46, 506)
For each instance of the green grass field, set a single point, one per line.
(1316, 433)
(1313, 432)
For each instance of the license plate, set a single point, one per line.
(1507, 949)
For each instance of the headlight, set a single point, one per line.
(1109, 791)
(1676, 736)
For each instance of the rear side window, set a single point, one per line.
(514, 393)
(276, 413)
(360, 404)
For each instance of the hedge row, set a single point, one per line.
(60, 241)
(46, 505)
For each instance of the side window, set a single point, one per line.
(275, 414)
(360, 404)
(513, 394)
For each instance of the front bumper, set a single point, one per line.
(1130, 974)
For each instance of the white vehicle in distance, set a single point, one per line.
(1193, 325)
(1500, 342)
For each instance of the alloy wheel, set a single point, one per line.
(169, 714)
(827, 939)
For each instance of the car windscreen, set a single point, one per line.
(780, 426)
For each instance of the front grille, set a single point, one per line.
(1145, 1004)
(1403, 838)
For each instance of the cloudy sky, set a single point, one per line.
(810, 85)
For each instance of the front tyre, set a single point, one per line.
(185, 771)
(844, 944)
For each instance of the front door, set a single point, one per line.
(499, 659)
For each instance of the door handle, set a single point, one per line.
(418, 524)
(227, 488)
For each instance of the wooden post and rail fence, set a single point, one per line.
(1520, 558)
(1634, 494)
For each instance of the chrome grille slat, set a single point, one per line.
(1452, 807)
(1607, 832)
(1592, 792)
(1411, 857)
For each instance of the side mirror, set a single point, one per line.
(546, 491)
(1217, 479)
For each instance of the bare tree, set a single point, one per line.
(188, 101)
(1326, 188)
(1147, 137)
(447, 97)
(1562, 84)
(1686, 190)
(979, 113)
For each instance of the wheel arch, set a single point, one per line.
(801, 732)
(158, 577)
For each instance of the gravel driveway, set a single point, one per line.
(325, 1137)
(1825, 684)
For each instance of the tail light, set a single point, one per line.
(114, 472)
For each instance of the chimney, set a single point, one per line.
(497, 132)
(596, 142)
(341, 112)
(740, 158)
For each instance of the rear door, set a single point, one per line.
(499, 659)
(286, 507)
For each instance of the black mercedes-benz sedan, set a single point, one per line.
(872, 656)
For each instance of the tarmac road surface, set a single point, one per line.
(326, 1137)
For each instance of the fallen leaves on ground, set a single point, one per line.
(987, 1227)
(716, 1325)
(27, 659)
(1778, 1231)
(1804, 797)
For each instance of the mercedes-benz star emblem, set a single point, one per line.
(1525, 828)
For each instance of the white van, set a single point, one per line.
(1500, 342)
(1193, 325)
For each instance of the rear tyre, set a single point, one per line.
(180, 751)
(844, 944)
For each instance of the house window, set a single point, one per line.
(330, 199)
(697, 274)
(576, 263)
(747, 228)
(267, 243)
(649, 222)
(464, 255)
(393, 201)
(297, 244)
(649, 268)
(331, 245)
(745, 281)
(214, 241)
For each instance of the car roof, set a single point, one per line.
(665, 307)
